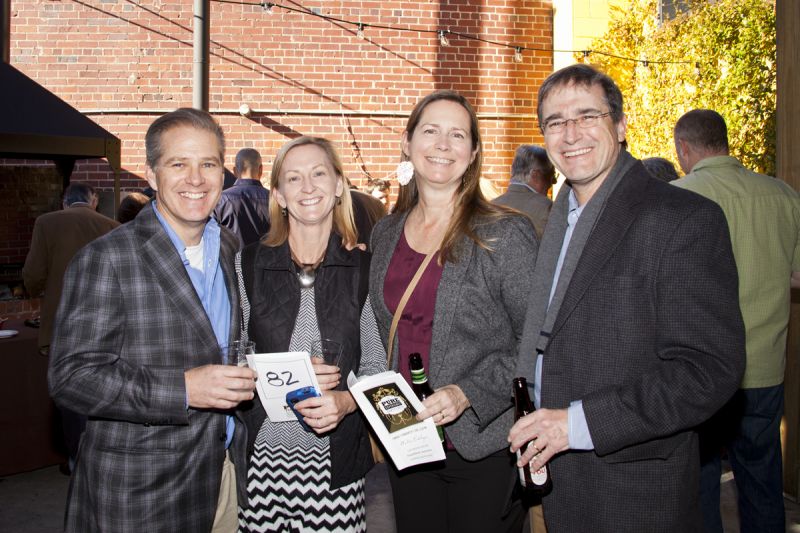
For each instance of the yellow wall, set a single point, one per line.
(576, 23)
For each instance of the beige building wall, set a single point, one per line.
(575, 24)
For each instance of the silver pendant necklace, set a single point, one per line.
(306, 272)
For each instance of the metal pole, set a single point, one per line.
(202, 29)
(5, 30)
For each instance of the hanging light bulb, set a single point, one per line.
(360, 32)
(586, 56)
(267, 7)
(443, 38)
(697, 69)
(518, 55)
(645, 63)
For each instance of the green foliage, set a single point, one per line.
(733, 43)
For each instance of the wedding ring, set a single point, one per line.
(538, 451)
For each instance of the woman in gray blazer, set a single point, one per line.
(464, 317)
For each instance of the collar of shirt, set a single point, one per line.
(247, 182)
(717, 161)
(575, 210)
(523, 185)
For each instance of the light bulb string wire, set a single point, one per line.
(447, 32)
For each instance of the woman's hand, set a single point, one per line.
(323, 413)
(328, 376)
(445, 405)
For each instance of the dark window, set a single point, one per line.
(669, 9)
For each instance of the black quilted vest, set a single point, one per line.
(340, 290)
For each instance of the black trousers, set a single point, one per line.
(457, 495)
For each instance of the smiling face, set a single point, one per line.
(187, 179)
(308, 186)
(584, 156)
(440, 147)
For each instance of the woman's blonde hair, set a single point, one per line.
(343, 222)
(470, 203)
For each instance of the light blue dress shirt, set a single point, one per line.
(578, 430)
(209, 284)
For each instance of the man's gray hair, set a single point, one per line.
(78, 192)
(527, 158)
(704, 129)
(247, 159)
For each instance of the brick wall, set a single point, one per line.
(26, 191)
(123, 62)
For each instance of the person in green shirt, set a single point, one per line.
(763, 216)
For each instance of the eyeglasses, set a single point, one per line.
(583, 121)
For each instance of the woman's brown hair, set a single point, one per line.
(470, 204)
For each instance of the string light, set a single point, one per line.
(697, 69)
(444, 41)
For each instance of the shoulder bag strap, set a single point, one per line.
(400, 306)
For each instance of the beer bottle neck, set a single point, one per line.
(418, 377)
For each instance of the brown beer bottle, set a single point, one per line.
(419, 383)
(532, 481)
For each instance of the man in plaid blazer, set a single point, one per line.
(633, 334)
(136, 347)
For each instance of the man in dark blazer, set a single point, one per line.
(633, 335)
(137, 348)
(244, 207)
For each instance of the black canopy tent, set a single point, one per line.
(36, 124)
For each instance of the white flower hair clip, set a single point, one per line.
(405, 171)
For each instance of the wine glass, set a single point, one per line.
(236, 352)
(328, 350)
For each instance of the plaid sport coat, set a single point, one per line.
(129, 325)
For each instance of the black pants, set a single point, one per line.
(457, 495)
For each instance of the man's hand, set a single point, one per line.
(323, 414)
(445, 405)
(548, 432)
(219, 386)
(328, 376)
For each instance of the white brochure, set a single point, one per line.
(390, 406)
(278, 374)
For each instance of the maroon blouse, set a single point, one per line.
(415, 329)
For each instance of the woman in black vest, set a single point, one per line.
(304, 281)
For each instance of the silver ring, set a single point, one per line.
(538, 451)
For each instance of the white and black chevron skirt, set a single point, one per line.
(288, 482)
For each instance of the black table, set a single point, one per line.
(30, 432)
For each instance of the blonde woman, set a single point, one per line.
(304, 281)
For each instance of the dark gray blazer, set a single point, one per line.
(477, 325)
(129, 324)
(650, 337)
(535, 205)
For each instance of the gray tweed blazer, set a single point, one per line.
(129, 324)
(649, 336)
(477, 324)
